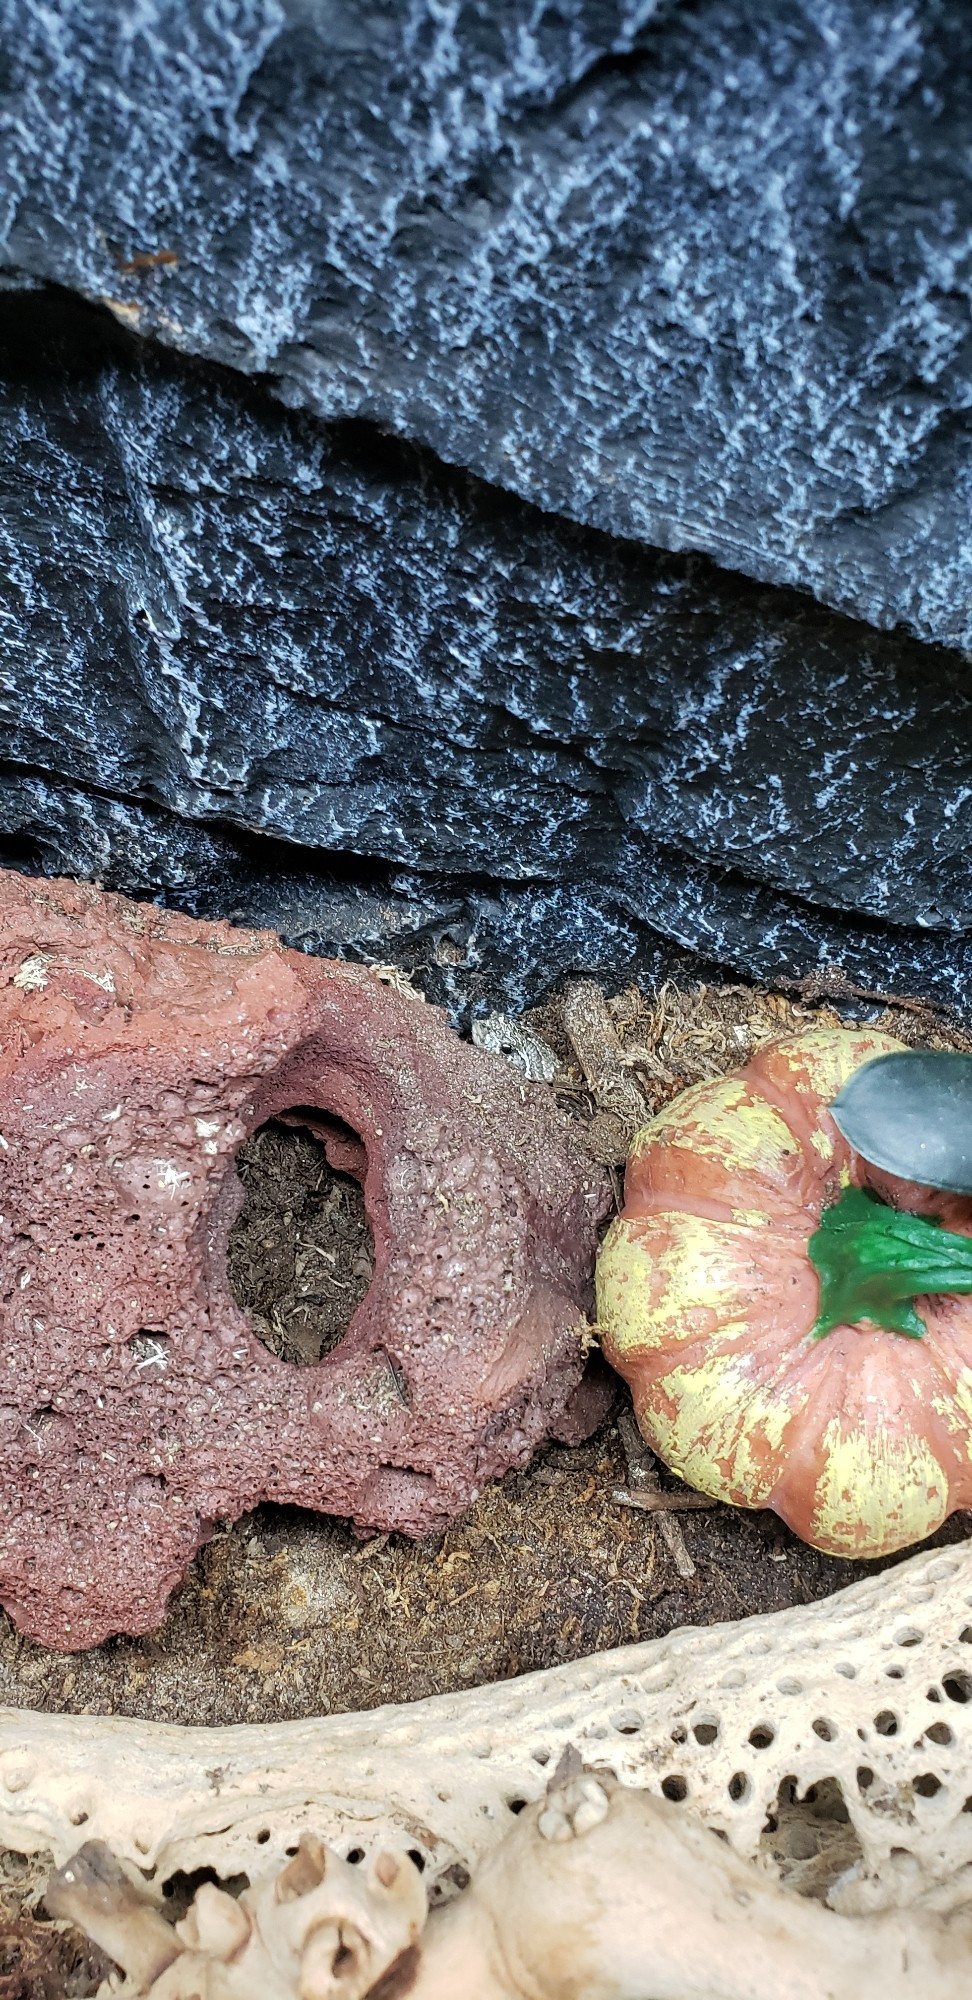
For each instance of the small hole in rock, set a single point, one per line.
(515, 1805)
(827, 1800)
(738, 1787)
(354, 1855)
(149, 1351)
(908, 1636)
(79, 1819)
(927, 1785)
(179, 1889)
(958, 1687)
(865, 1778)
(845, 1669)
(455, 1877)
(810, 1840)
(895, 1673)
(940, 1733)
(415, 1854)
(541, 1756)
(824, 1729)
(886, 1723)
(675, 1788)
(762, 1736)
(300, 1255)
(965, 1637)
(627, 1722)
(705, 1732)
(263, 1836)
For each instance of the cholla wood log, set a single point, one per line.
(137, 1050)
(869, 1691)
(597, 1893)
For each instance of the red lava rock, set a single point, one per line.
(138, 1049)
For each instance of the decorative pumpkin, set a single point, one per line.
(792, 1321)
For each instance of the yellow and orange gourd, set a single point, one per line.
(708, 1302)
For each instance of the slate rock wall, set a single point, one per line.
(575, 300)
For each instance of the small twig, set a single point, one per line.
(662, 1503)
(676, 1546)
(643, 1475)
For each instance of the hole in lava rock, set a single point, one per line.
(300, 1255)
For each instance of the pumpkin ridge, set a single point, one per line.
(829, 1427)
(955, 1391)
(704, 1206)
(778, 1101)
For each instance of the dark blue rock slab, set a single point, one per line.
(694, 274)
(305, 675)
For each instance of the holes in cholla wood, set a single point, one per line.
(180, 1888)
(449, 1882)
(958, 1686)
(762, 1736)
(675, 1788)
(300, 1255)
(627, 1722)
(810, 1839)
(886, 1722)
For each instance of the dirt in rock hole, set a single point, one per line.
(286, 1614)
(300, 1253)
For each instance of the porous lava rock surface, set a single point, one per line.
(137, 1050)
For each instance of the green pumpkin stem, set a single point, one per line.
(872, 1262)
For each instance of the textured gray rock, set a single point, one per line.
(694, 274)
(306, 676)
